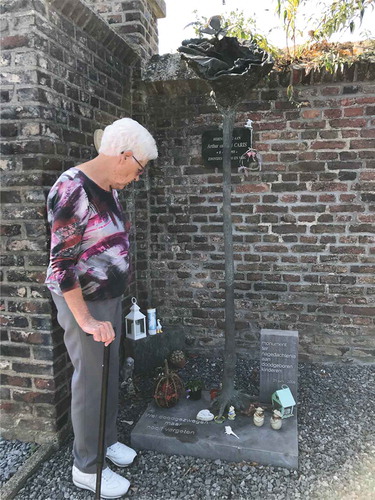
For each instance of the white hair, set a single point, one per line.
(128, 135)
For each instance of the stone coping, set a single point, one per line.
(171, 67)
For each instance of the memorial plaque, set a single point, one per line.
(176, 431)
(278, 362)
(212, 146)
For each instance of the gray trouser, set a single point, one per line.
(87, 358)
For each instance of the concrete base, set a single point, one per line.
(176, 431)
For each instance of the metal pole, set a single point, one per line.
(103, 407)
(230, 335)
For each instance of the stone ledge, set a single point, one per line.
(171, 68)
(167, 67)
(158, 7)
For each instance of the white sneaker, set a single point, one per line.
(113, 485)
(120, 454)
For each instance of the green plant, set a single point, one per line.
(34, 447)
(341, 15)
(194, 385)
(237, 25)
(327, 20)
(288, 9)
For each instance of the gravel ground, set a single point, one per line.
(13, 454)
(336, 446)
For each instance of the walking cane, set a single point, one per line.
(103, 406)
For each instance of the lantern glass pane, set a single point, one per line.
(132, 329)
(141, 324)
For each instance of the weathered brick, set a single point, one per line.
(15, 381)
(15, 41)
(328, 145)
(4, 395)
(10, 230)
(329, 186)
(362, 144)
(347, 250)
(26, 276)
(347, 123)
(33, 368)
(362, 228)
(16, 351)
(8, 129)
(27, 337)
(44, 384)
(42, 324)
(327, 228)
(33, 397)
(360, 311)
(350, 89)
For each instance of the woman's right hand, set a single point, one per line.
(102, 331)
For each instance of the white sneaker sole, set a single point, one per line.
(86, 487)
(120, 465)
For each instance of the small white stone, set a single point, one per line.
(205, 415)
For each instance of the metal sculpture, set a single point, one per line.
(231, 68)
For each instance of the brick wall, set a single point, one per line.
(65, 73)
(303, 226)
(135, 20)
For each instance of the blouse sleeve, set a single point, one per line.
(68, 213)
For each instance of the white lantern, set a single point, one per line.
(135, 322)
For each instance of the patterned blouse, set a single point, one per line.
(89, 239)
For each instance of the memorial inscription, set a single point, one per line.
(278, 362)
(212, 146)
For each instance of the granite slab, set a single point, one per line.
(278, 362)
(175, 431)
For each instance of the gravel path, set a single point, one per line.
(13, 454)
(336, 445)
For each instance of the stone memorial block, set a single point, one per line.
(278, 362)
(176, 431)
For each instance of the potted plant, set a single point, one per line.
(194, 389)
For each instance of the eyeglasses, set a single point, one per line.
(142, 167)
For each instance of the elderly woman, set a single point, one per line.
(87, 276)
